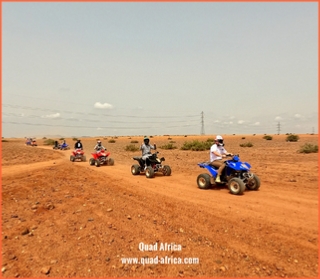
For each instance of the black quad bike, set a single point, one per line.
(153, 164)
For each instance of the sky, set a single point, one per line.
(167, 68)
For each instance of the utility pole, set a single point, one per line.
(278, 128)
(202, 124)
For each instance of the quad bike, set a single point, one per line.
(34, 143)
(77, 155)
(236, 175)
(150, 166)
(64, 146)
(101, 157)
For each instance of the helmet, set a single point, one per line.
(99, 142)
(219, 140)
(146, 140)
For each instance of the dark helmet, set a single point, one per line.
(146, 140)
(219, 140)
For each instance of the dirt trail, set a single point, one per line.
(272, 232)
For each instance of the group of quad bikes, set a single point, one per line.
(236, 174)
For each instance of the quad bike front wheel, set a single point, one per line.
(72, 158)
(166, 170)
(203, 181)
(91, 161)
(236, 186)
(253, 183)
(149, 172)
(110, 162)
(135, 169)
(97, 163)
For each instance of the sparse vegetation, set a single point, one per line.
(172, 141)
(168, 146)
(131, 147)
(75, 139)
(247, 144)
(308, 148)
(210, 140)
(49, 142)
(243, 138)
(134, 141)
(4, 140)
(169, 138)
(196, 145)
(61, 139)
(44, 138)
(111, 141)
(267, 137)
(292, 138)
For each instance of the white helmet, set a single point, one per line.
(219, 140)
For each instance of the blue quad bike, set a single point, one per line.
(236, 175)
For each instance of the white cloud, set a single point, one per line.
(240, 122)
(256, 124)
(103, 106)
(278, 118)
(55, 115)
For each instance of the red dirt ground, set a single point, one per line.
(69, 219)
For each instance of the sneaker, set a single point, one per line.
(218, 179)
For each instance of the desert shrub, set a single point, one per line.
(308, 148)
(196, 145)
(292, 138)
(49, 142)
(247, 144)
(61, 139)
(44, 138)
(243, 138)
(4, 140)
(168, 146)
(134, 141)
(131, 147)
(75, 139)
(169, 138)
(185, 136)
(111, 141)
(267, 137)
(172, 141)
(151, 137)
(210, 140)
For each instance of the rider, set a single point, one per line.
(78, 145)
(63, 144)
(217, 152)
(99, 146)
(146, 148)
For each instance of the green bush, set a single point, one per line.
(210, 140)
(49, 142)
(308, 148)
(131, 147)
(168, 146)
(292, 138)
(267, 137)
(134, 141)
(111, 141)
(196, 145)
(247, 144)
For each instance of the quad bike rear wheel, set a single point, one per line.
(135, 169)
(72, 158)
(110, 162)
(91, 161)
(203, 181)
(253, 184)
(166, 170)
(150, 172)
(236, 186)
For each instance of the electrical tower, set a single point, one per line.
(278, 128)
(202, 124)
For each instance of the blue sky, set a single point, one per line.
(99, 68)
